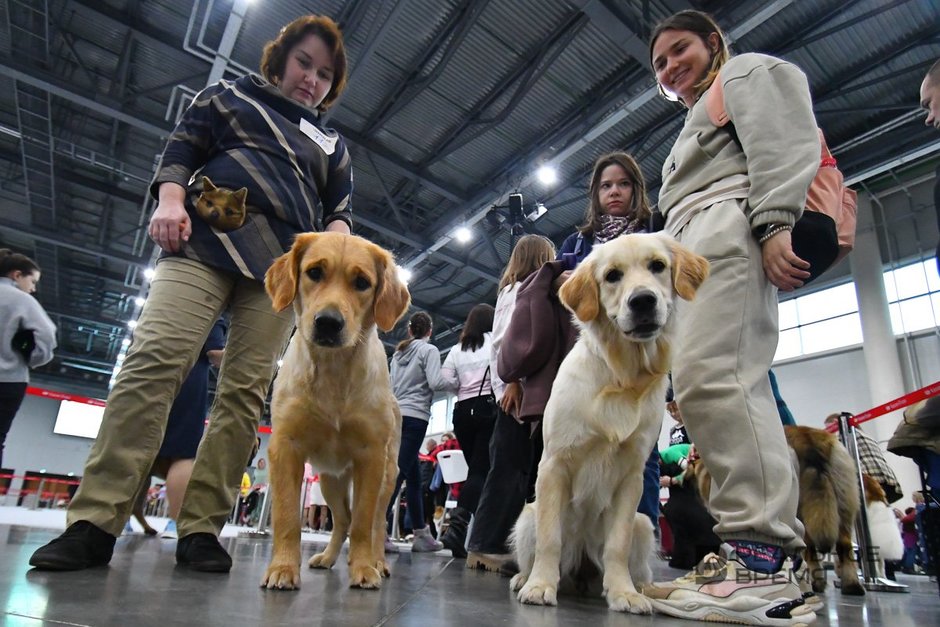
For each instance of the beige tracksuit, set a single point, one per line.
(713, 197)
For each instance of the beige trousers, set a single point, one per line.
(727, 337)
(185, 300)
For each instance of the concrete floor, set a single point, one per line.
(143, 586)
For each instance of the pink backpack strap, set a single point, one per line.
(715, 103)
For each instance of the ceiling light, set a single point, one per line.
(463, 234)
(547, 175)
(132, 324)
(140, 301)
(148, 273)
(126, 342)
(404, 274)
(280, 362)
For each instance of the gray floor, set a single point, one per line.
(142, 586)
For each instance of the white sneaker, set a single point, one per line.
(170, 532)
(721, 589)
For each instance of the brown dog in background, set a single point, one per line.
(332, 403)
(828, 502)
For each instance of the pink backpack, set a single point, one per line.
(825, 233)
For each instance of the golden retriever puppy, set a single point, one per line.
(603, 416)
(332, 402)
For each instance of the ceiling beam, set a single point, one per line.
(52, 237)
(42, 79)
(401, 166)
(379, 226)
(614, 28)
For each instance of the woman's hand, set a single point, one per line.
(170, 223)
(665, 482)
(511, 403)
(781, 265)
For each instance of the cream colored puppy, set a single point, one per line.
(333, 404)
(602, 419)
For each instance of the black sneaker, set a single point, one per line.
(202, 552)
(454, 542)
(82, 545)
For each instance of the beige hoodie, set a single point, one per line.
(768, 101)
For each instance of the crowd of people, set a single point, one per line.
(731, 194)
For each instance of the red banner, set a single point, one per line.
(62, 396)
(902, 401)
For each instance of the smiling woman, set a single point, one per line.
(735, 204)
(255, 135)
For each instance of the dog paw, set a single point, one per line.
(382, 567)
(518, 580)
(853, 588)
(626, 601)
(364, 576)
(321, 560)
(538, 593)
(281, 577)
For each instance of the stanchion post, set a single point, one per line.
(265, 512)
(396, 531)
(238, 504)
(42, 485)
(862, 533)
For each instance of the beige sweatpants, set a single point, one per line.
(185, 300)
(727, 337)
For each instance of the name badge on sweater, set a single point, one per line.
(324, 141)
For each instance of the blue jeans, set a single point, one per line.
(413, 431)
(649, 501)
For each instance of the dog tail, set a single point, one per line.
(522, 539)
(819, 498)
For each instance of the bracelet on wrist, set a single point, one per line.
(773, 230)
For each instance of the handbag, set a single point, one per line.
(24, 342)
(483, 405)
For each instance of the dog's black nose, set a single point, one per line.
(327, 326)
(642, 301)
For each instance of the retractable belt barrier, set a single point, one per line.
(845, 427)
(51, 496)
(899, 403)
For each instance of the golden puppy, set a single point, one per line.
(332, 401)
(601, 421)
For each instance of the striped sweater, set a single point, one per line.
(246, 134)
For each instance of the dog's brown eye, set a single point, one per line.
(613, 276)
(362, 284)
(657, 266)
(315, 274)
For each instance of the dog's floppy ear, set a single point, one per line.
(280, 281)
(688, 270)
(392, 297)
(580, 293)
